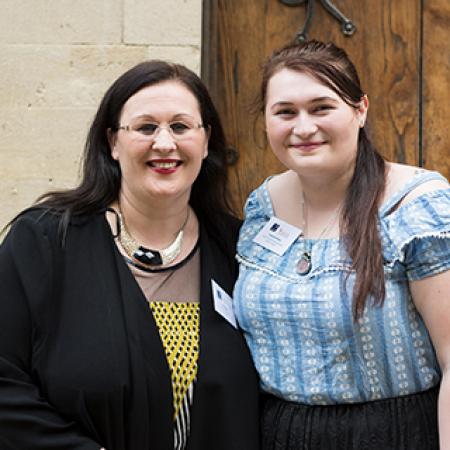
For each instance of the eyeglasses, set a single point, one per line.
(145, 130)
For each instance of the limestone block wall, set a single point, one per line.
(57, 58)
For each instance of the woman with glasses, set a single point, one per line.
(113, 325)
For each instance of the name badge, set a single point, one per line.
(223, 304)
(277, 235)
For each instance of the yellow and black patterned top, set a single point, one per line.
(178, 325)
(173, 294)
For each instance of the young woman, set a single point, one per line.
(343, 291)
(109, 336)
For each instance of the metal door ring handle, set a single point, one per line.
(347, 26)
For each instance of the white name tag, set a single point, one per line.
(277, 235)
(223, 303)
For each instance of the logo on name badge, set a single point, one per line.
(223, 304)
(277, 235)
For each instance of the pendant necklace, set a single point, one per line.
(144, 255)
(304, 264)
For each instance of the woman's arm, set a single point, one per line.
(432, 298)
(27, 419)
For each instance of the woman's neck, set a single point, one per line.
(324, 193)
(153, 223)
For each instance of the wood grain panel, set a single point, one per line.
(436, 83)
(233, 51)
(385, 49)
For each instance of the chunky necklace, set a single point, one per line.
(144, 255)
(304, 263)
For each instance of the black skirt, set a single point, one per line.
(402, 423)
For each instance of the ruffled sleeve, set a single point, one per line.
(417, 235)
(257, 211)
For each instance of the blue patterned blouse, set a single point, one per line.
(300, 330)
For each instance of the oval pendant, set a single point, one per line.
(304, 264)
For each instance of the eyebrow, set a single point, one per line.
(175, 117)
(324, 98)
(314, 100)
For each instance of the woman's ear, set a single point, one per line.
(208, 135)
(112, 139)
(362, 109)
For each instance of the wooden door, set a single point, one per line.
(401, 49)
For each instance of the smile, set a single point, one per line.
(159, 164)
(164, 165)
(307, 146)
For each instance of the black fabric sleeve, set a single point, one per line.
(27, 420)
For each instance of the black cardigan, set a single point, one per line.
(81, 362)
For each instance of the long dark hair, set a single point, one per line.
(331, 66)
(101, 174)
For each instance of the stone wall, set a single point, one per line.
(57, 58)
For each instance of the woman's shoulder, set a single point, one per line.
(262, 200)
(222, 228)
(230, 224)
(30, 235)
(415, 219)
(37, 218)
(46, 223)
(413, 194)
(405, 183)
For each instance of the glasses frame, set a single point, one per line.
(152, 137)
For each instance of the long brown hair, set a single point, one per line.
(331, 66)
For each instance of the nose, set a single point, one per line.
(163, 140)
(304, 126)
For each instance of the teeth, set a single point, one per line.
(164, 165)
